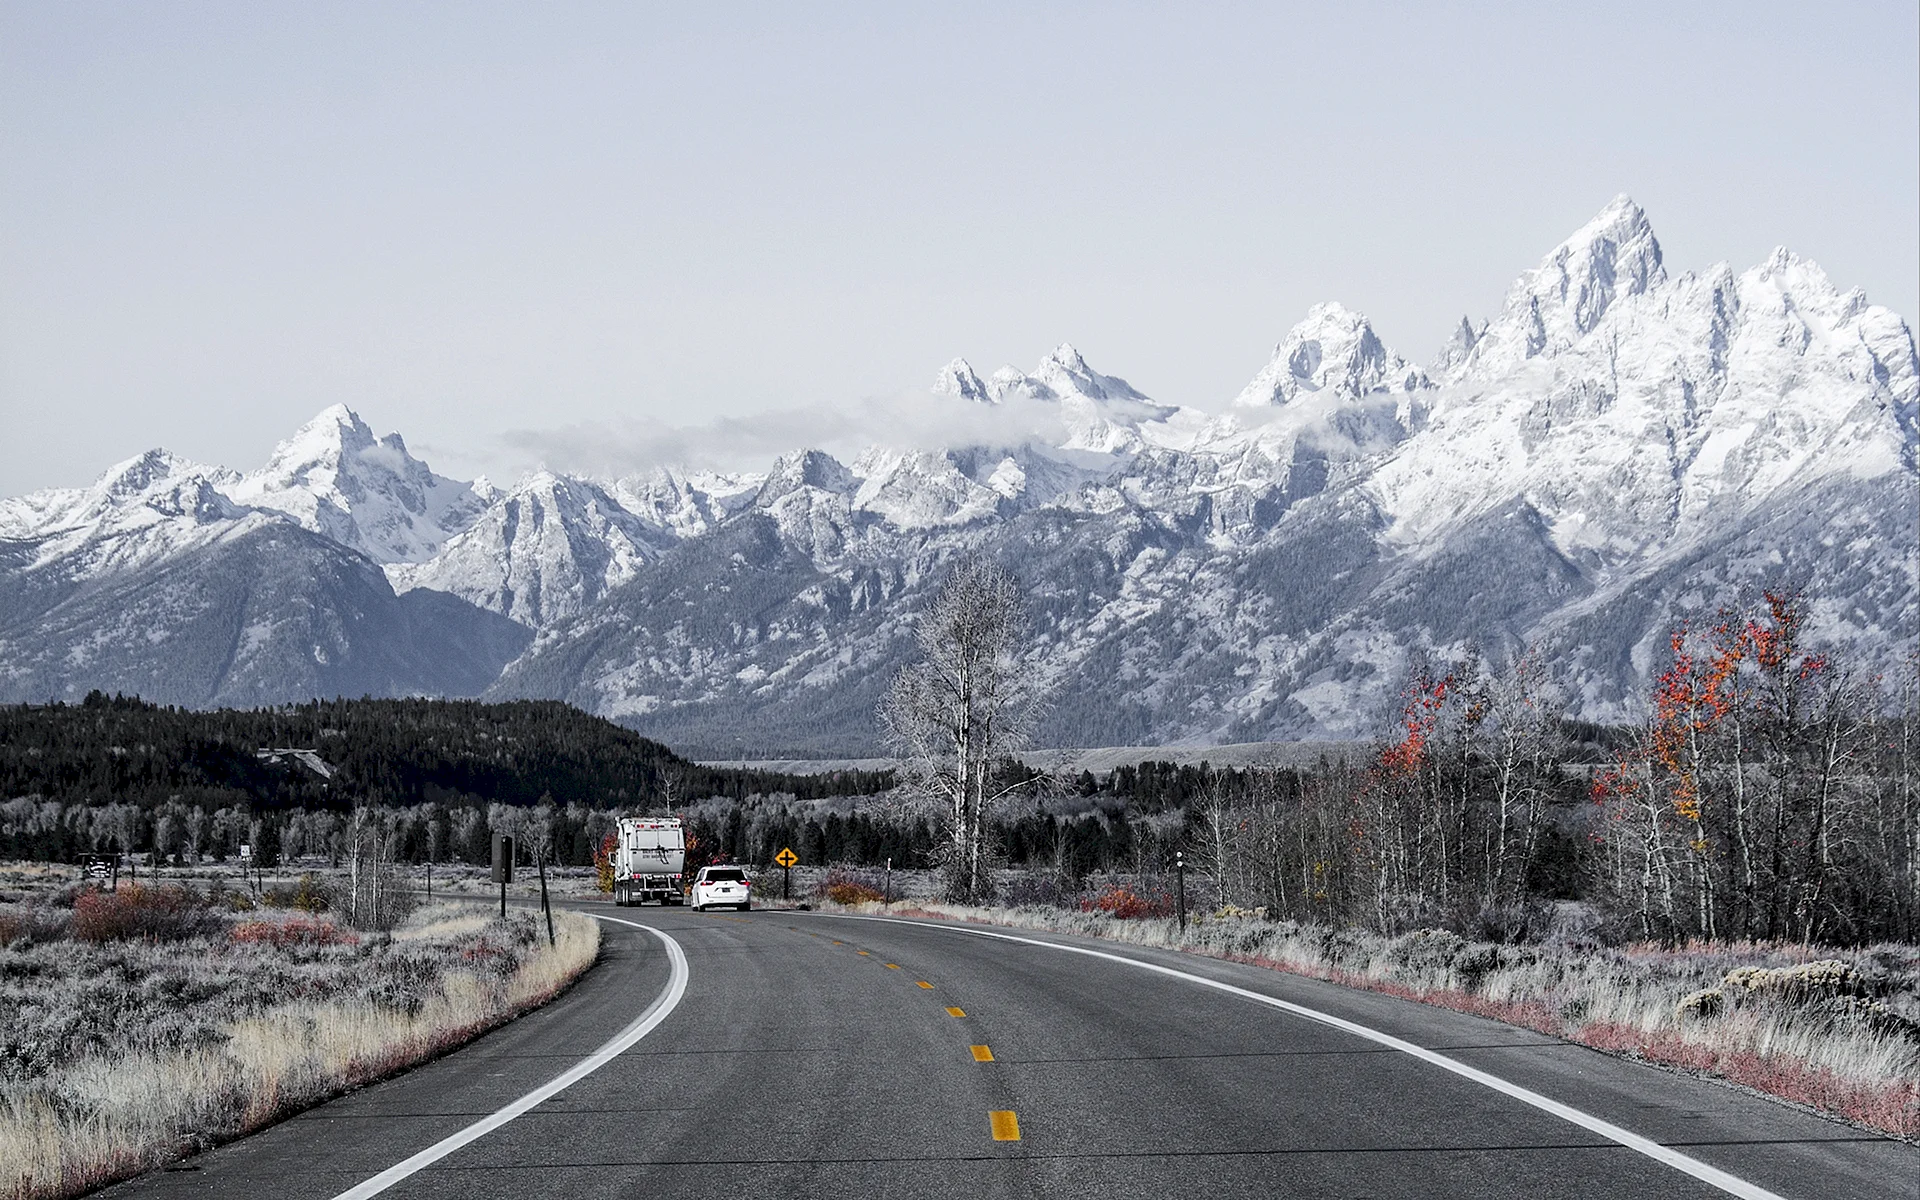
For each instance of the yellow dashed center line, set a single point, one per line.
(956, 1012)
(860, 952)
(893, 966)
(926, 985)
(1006, 1126)
(981, 1054)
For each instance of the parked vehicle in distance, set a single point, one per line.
(649, 861)
(722, 887)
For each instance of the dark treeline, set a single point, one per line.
(382, 752)
(1771, 793)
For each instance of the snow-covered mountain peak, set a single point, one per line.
(154, 484)
(1460, 344)
(1098, 413)
(335, 478)
(1609, 259)
(541, 552)
(957, 379)
(332, 434)
(806, 469)
(1334, 350)
(139, 473)
(1066, 373)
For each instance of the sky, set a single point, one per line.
(516, 232)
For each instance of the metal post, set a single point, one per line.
(1180, 876)
(544, 906)
(886, 893)
(502, 869)
(786, 883)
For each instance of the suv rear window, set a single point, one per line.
(725, 875)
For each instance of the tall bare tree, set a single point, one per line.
(967, 704)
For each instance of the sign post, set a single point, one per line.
(502, 869)
(786, 858)
(1180, 876)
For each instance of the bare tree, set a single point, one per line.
(963, 708)
(375, 899)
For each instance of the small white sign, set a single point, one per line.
(246, 851)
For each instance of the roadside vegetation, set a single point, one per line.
(1833, 1029)
(143, 1024)
(1732, 887)
(1607, 884)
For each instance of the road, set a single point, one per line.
(815, 1055)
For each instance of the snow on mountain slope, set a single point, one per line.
(1609, 259)
(544, 550)
(1333, 351)
(335, 478)
(958, 380)
(138, 512)
(1681, 405)
(685, 503)
(1616, 447)
(1100, 413)
(262, 612)
(153, 581)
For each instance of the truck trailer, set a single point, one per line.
(649, 861)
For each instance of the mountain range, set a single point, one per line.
(1614, 449)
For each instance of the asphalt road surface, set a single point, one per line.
(811, 1055)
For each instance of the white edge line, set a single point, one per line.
(662, 1006)
(1731, 1184)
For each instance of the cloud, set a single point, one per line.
(912, 421)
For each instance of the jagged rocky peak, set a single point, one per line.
(1609, 259)
(1459, 347)
(957, 379)
(335, 478)
(1066, 372)
(1793, 317)
(167, 484)
(334, 433)
(1333, 351)
(808, 468)
(141, 472)
(154, 486)
(1062, 375)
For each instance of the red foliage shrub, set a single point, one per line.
(852, 893)
(159, 914)
(1126, 904)
(302, 931)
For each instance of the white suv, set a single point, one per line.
(721, 887)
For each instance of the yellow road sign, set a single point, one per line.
(786, 858)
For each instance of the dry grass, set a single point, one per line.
(224, 1066)
(1837, 1032)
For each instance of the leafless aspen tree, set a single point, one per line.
(968, 703)
(376, 898)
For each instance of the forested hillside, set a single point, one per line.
(387, 752)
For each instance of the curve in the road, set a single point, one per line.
(661, 1008)
(1731, 1184)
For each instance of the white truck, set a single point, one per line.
(649, 860)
